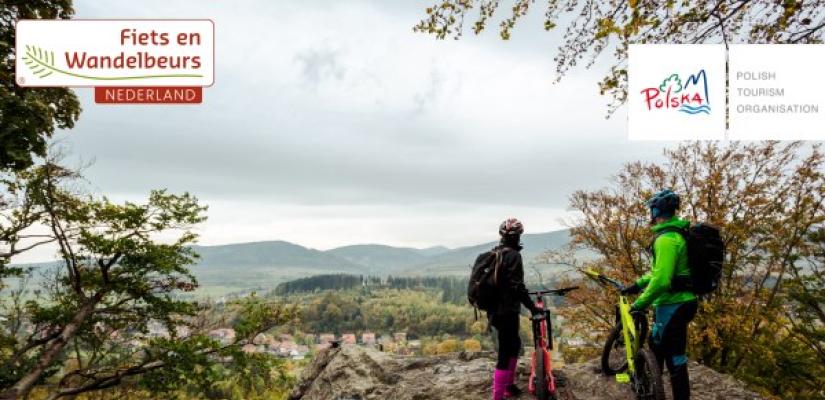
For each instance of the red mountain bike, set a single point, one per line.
(542, 383)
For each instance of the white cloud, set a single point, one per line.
(324, 113)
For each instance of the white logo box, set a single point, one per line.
(699, 70)
(117, 53)
(776, 92)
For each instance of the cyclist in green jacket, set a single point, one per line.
(674, 307)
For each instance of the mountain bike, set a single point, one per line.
(542, 383)
(624, 354)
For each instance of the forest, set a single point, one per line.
(452, 289)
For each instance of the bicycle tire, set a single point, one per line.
(615, 342)
(542, 393)
(647, 371)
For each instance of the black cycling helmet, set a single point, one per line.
(511, 226)
(663, 204)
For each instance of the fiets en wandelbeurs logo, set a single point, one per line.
(687, 93)
(126, 61)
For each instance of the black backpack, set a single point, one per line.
(706, 254)
(481, 290)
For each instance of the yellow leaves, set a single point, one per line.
(472, 345)
(448, 346)
(605, 27)
(477, 328)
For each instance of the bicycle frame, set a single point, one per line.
(543, 340)
(642, 371)
(632, 339)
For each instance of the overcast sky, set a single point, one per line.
(332, 123)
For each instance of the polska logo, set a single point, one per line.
(689, 95)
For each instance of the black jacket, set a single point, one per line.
(510, 283)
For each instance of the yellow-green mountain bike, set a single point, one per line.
(624, 354)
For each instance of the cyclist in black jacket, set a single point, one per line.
(505, 316)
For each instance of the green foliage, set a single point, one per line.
(420, 313)
(319, 282)
(200, 366)
(123, 268)
(453, 289)
(29, 116)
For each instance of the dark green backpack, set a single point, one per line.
(706, 255)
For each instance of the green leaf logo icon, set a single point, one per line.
(39, 61)
(674, 81)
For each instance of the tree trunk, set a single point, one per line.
(52, 350)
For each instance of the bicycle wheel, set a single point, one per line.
(541, 377)
(614, 356)
(648, 379)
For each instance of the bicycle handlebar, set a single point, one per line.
(602, 279)
(558, 292)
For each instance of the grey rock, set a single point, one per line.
(355, 373)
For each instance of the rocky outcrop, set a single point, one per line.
(355, 373)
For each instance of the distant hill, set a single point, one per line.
(363, 258)
(431, 251)
(271, 254)
(263, 265)
(459, 260)
(377, 258)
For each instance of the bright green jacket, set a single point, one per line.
(669, 259)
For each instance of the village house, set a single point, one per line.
(262, 338)
(156, 329)
(400, 337)
(348, 339)
(286, 348)
(273, 346)
(326, 338)
(223, 335)
(300, 352)
(182, 331)
(368, 338)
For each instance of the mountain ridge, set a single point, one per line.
(262, 265)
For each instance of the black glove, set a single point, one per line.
(631, 289)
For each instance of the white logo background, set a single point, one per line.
(649, 65)
(103, 38)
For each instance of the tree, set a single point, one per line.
(806, 289)
(595, 27)
(768, 199)
(29, 116)
(121, 268)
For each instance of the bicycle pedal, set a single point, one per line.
(623, 378)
